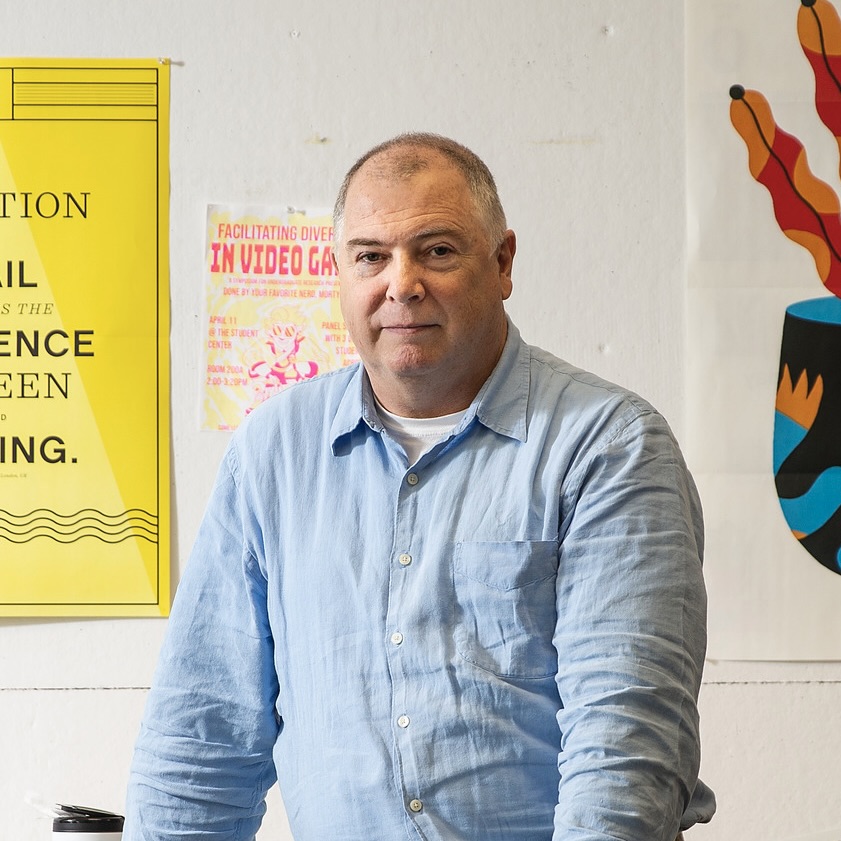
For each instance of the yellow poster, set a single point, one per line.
(272, 307)
(84, 323)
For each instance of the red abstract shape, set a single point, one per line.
(819, 31)
(806, 208)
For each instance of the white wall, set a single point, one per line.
(578, 109)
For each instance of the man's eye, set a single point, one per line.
(369, 257)
(441, 251)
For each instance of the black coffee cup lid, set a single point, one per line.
(84, 819)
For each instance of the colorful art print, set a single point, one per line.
(807, 446)
(272, 315)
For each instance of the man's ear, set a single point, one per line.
(505, 261)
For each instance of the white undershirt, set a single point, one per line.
(417, 435)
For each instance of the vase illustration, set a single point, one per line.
(807, 443)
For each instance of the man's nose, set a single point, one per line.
(405, 282)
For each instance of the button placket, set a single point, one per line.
(403, 580)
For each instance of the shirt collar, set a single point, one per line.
(502, 402)
(500, 405)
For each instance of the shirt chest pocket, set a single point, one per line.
(505, 606)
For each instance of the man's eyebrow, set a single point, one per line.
(438, 230)
(426, 233)
(362, 241)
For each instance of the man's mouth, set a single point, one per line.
(407, 328)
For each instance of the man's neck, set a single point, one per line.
(414, 397)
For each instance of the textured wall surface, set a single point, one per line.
(578, 109)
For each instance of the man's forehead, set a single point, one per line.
(401, 165)
(372, 220)
(411, 193)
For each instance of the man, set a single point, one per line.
(452, 593)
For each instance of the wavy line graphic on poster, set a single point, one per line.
(807, 419)
(88, 522)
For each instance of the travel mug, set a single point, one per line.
(79, 823)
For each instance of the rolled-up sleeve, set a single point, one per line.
(203, 759)
(631, 638)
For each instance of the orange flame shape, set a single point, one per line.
(799, 402)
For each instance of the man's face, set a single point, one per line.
(422, 286)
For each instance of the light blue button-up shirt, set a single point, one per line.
(500, 642)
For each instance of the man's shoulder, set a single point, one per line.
(576, 387)
(587, 415)
(305, 405)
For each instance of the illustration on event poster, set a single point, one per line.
(807, 443)
(271, 308)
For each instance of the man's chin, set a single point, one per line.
(409, 362)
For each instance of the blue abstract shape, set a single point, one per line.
(809, 512)
(821, 310)
(787, 435)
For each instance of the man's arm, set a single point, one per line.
(203, 760)
(631, 639)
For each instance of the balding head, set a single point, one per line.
(408, 154)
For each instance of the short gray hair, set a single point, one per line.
(479, 179)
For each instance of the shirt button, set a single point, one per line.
(412, 479)
(405, 559)
(415, 805)
(397, 637)
(403, 721)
